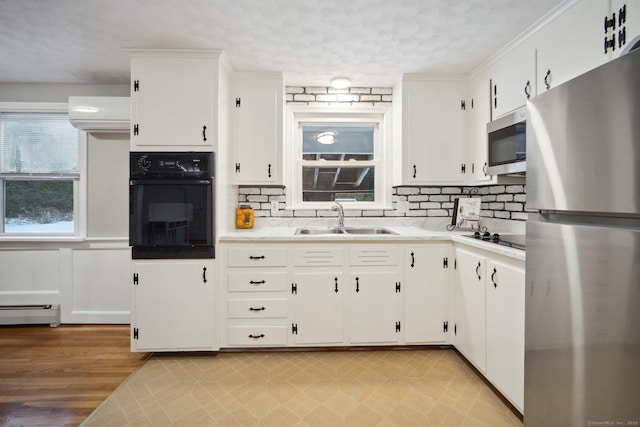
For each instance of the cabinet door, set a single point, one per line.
(505, 329)
(479, 112)
(470, 308)
(513, 77)
(373, 307)
(173, 306)
(173, 103)
(319, 308)
(571, 44)
(628, 28)
(425, 294)
(432, 131)
(258, 130)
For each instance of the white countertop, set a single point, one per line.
(403, 234)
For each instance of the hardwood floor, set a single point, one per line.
(58, 376)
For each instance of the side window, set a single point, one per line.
(38, 173)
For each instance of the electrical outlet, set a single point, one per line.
(275, 207)
(402, 207)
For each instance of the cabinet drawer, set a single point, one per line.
(252, 256)
(257, 335)
(259, 281)
(257, 308)
(309, 257)
(373, 255)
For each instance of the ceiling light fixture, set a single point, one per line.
(85, 109)
(326, 138)
(340, 83)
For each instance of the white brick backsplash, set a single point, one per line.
(498, 201)
(451, 190)
(304, 97)
(294, 89)
(326, 98)
(505, 198)
(362, 90)
(272, 191)
(288, 97)
(316, 89)
(387, 98)
(408, 190)
(514, 207)
(248, 190)
(337, 91)
(381, 91)
(370, 98)
(348, 98)
(439, 199)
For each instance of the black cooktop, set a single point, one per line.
(516, 241)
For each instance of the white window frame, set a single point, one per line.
(79, 185)
(298, 116)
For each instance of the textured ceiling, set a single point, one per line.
(83, 41)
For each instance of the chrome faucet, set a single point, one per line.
(338, 207)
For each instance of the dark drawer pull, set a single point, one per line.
(256, 336)
(259, 282)
(257, 309)
(257, 257)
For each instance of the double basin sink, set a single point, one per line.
(347, 230)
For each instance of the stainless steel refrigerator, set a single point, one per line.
(582, 318)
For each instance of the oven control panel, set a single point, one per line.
(171, 164)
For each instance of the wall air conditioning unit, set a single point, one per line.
(100, 113)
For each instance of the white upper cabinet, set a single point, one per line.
(627, 24)
(513, 79)
(571, 44)
(257, 128)
(174, 100)
(479, 114)
(432, 130)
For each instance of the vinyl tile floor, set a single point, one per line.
(425, 387)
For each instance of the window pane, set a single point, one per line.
(38, 143)
(326, 184)
(38, 206)
(337, 142)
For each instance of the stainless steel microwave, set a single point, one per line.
(507, 144)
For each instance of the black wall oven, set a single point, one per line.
(171, 205)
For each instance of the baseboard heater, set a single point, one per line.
(30, 314)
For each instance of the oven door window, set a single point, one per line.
(171, 215)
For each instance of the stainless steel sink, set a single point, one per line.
(349, 230)
(368, 230)
(319, 230)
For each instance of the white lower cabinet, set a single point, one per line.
(489, 318)
(319, 305)
(505, 329)
(173, 306)
(426, 293)
(470, 308)
(338, 294)
(373, 307)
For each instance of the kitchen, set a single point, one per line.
(426, 179)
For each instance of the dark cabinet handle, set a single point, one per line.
(336, 281)
(495, 285)
(204, 133)
(256, 336)
(547, 79)
(415, 171)
(413, 260)
(204, 274)
(269, 170)
(477, 272)
(259, 282)
(527, 89)
(357, 284)
(257, 309)
(257, 257)
(484, 169)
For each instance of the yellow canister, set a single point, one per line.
(244, 217)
